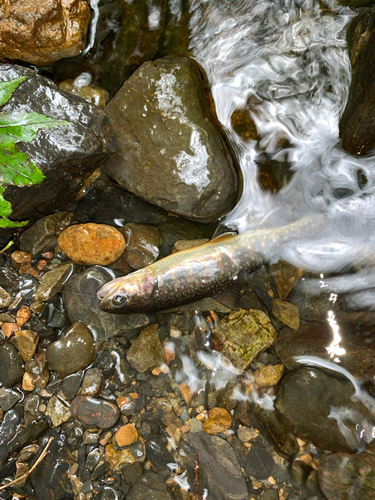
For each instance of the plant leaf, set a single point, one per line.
(15, 167)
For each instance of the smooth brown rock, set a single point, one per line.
(146, 352)
(42, 32)
(242, 335)
(91, 243)
(126, 435)
(285, 276)
(53, 281)
(268, 375)
(141, 245)
(286, 312)
(219, 420)
(26, 341)
(90, 93)
(72, 352)
(94, 412)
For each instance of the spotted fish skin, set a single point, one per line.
(199, 272)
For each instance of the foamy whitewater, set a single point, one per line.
(287, 62)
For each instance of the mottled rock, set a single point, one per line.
(219, 470)
(343, 476)
(53, 281)
(242, 335)
(151, 486)
(84, 143)
(72, 352)
(268, 375)
(58, 411)
(243, 124)
(117, 458)
(23, 315)
(285, 276)
(36, 371)
(142, 244)
(59, 30)
(92, 382)
(42, 236)
(246, 434)
(286, 312)
(94, 412)
(126, 435)
(11, 366)
(51, 480)
(20, 257)
(5, 298)
(26, 341)
(357, 124)
(219, 420)
(82, 304)
(167, 122)
(259, 462)
(320, 408)
(146, 352)
(92, 244)
(90, 93)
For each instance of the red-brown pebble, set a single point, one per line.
(219, 420)
(126, 435)
(23, 315)
(94, 412)
(91, 243)
(9, 328)
(28, 268)
(20, 257)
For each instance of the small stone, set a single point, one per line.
(90, 93)
(9, 329)
(116, 458)
(219, 420)
(268, 375)
(94, 412)
(27, 382)
(196, 425)
(8, 398)
(73, 351)
(259, 462)
(126, 435)
(53, 281)
(126, 404)
(28, 268)
(23, 315)
(20, 257)
(26, 341)
(11, 366)
(142, 244)
(247, 434)
(285, 276)
(58, 411)
(150, 486)
(5, 298)
(287, 313)
(92, 382)
(181, 245)
(37, 370)
(90, 437)
(91, 243)
(146, 352)
(242, 335)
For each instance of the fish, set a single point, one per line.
(203, 271)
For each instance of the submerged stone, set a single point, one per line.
(146, 352)
(72, 352)
(11, 365)
(242, 335)
(151, 486)
(94, 412)
(170, 152)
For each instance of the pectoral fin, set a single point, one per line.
(230, 297)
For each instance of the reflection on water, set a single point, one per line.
(285, 65)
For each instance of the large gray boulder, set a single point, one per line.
(170, 152)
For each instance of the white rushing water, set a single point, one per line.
(286, 61)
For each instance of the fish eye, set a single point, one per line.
(118, 300)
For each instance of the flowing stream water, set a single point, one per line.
(286, 63)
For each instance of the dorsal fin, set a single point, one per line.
(261, 223)
(224, 236)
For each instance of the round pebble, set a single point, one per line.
(72, 352)
(94, 412)
(219, 420)
(126, 435)
(91, 243)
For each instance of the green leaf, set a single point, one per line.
(15, 167)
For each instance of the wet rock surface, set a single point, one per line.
(219, 470)
(146, 351)
(150, 485)
(11, 365)
(320, 408)
(58, 31)
(84, 144)
(197, 180)
(95, 412)
(357, 129)
(72, 352)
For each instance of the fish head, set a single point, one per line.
(128, 294)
